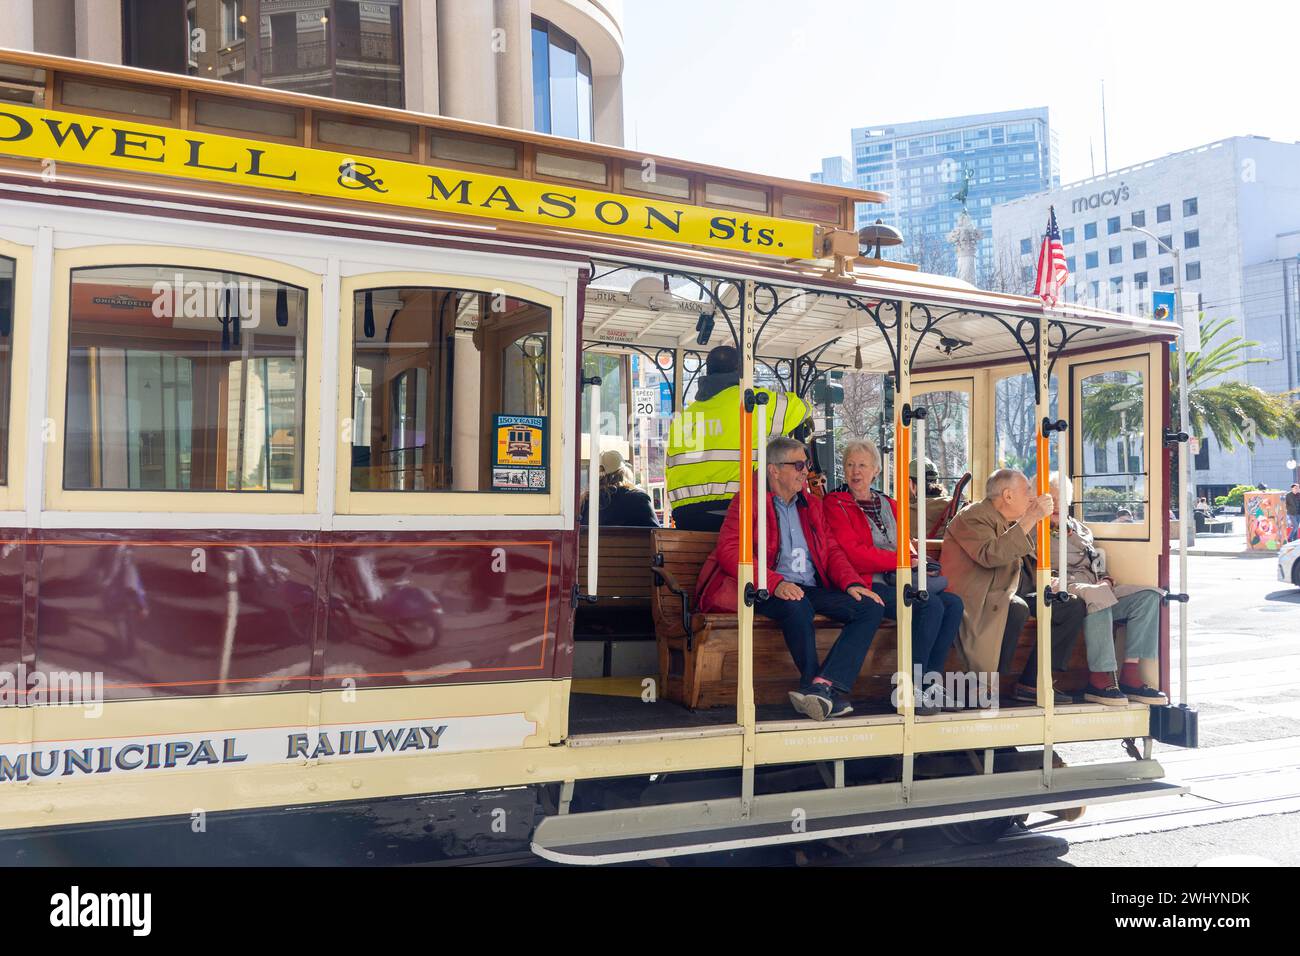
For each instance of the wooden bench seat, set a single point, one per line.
(624, 578)
(698, 652)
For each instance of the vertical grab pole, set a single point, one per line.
(903, 554)
(761, 474)
(745, 556)
(1062, 508)
(593, 491)
(1046, 693)
(918, 427)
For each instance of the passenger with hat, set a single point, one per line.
(622, 503)
(704, 453)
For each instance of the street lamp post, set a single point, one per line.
(1187, 497)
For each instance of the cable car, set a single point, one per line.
(273, 591)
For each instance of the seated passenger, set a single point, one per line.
(865, 524)
(936, 500)
(1107, 604)
(988, 559)
(807, 574)
(622, 503)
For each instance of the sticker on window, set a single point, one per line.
(520, 453)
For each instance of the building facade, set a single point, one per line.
(554, 66)
(1232, 209)
(922, 165)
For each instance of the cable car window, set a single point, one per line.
(1015, 422)
(184, 379)
(947, 433)
(432, 371)
(1114, 452)
(6, 358)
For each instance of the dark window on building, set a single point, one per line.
(1099, 462)
(343, 49)
(1140, 280)
(1191, 238)
(1139, 250)
(1117, 284)
(1201, 460)
(1166, 275)
(1193, 271)
(1189, 207)
(1027, 274)
(1026, 246)
(1067, 236)
(1139, 218)
(1069, 264)
(1112, 225)
(562, 102)
(1166, 243)
(1162, 213)
(1090, 230)
(1090, 260)
(1115, 255)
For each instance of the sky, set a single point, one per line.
(773, 86)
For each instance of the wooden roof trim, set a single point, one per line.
(111, 71)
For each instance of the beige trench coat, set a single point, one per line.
(982, 556)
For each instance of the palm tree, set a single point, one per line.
(1231, 411)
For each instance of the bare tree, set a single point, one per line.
(1007, 274)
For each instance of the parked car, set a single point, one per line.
(1288, 563)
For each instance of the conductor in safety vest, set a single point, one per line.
(703, 467)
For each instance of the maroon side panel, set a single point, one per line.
(451, 607)
(178, 612)
(11, 599)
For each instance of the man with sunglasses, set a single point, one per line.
(807, 574)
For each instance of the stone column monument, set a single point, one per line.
(965, 236)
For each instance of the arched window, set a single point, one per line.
(183, 379)
(561, 83)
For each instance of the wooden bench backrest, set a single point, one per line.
(625, 555)
(683, 554)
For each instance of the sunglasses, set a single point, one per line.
(800, 465)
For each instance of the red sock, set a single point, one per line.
(1099, 680)
(1128, 675)
(822, 680)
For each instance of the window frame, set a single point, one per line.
(426, 503)
(58, 498)
(921, 387)
(12, 496)
(1141, 363)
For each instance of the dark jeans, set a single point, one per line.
(842, 664)
(1067, 625)
(935, 624)
(704, 516)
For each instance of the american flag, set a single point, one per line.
(1052, 271)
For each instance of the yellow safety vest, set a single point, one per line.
(704, 443)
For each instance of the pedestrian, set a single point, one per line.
(1293, 512)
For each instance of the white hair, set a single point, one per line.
(1001, 480)
(1053, 484)
(863, 445)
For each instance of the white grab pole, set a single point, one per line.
(760, 509)
(1062, 508)
(918, 436)
(593, 493)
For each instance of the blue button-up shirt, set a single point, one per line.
(794, 558)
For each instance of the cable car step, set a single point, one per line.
(650, 832)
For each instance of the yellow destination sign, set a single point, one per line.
(136, 147)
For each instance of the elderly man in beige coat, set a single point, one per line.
(988, 559)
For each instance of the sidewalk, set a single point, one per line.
(1230, 545)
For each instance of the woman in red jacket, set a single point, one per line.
(865, 524)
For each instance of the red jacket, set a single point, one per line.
(852, 530)
(716, 588)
